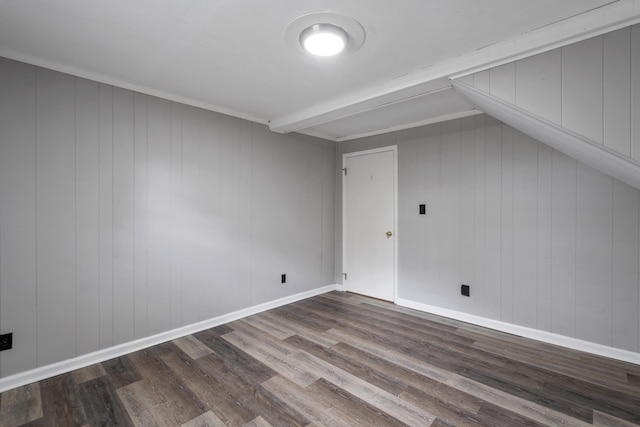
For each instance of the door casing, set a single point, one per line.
(345, 156)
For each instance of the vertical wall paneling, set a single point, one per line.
(288, 178)
(123, 216)
(296, 233)
(625, 289)
(18, 215)
(273, 214)
(410, 257)
(330, 208)
(617, 91)
(159, 198)
(241, 297)
(303, 238)
(450, 152)
(563, 244)
(538, 85)
(593, 256)
(242, 148)
(506, 276)
(177, 221)
(285, 210)
(214, 227)
(313, 209)
(87, 215)
(468, 186)
(582, 98)
(56, 227)
(635, 92)
(433, 220)
(141, 214)
(480, 217)
(493, 219)
(525, 230)
(245, 206)
(481, 80)
(239, 215)
(308, 238)
(543, 237)
(503, 82)
(234, 212)
(591, 88)
(261, 208)
(192, 220)
(105, 192)
(217, 225)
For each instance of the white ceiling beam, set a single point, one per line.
(608, 18)
(588, 152)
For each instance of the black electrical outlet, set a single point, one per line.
(465, 290)
(283, 278)
(423, 209)
(6, 341)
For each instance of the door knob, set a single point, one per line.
(389, 234)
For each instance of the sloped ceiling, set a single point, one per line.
(234, 56)
(591, 154)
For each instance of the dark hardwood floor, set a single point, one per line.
(338, 360)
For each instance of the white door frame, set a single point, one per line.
(345, 156)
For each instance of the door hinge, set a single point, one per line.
(345, 171)
(345, 276)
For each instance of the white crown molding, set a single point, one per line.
(590, 153)
(536, 334)
(598, 21)
(85, 360)
(100, 78)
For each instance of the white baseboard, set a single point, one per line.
(544, 336)
(65, 366)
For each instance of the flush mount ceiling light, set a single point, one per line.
(324, 39)
(324, 34)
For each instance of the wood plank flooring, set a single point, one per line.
(338, 360)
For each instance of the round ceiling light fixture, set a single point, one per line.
(324, 34)
(324, 39)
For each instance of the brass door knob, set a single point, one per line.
(389, 234)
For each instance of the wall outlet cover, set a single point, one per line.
(6, 341)
(465, 290)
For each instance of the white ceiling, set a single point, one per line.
(232, 56)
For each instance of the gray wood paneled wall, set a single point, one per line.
(123, 215)
(591, 88)
(544, 241)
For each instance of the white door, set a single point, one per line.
(369, 218)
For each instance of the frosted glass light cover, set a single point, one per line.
(324, 39)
